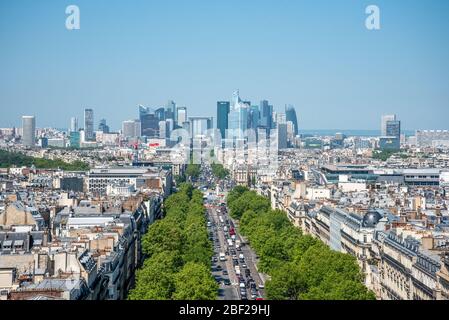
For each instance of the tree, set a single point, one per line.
(219, 171)
(195, 282)
(300, 266)
(286, 283)
(174, 247)
(155, 280)
(193, 171)
(163, 235)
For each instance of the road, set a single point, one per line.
(232, 291)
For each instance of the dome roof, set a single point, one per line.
(371, 219)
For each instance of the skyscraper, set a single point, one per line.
(162, 129)
(181, 116)
(89, 125)
(291, 116)
(391, 133)
(222, 117)
(29, 131)
(103, 127)
(160, 114)
(266, 114)
(149, 122)
(281, 118)
(385, 118)
(199, 125)
(282, 135)
(73, 124)
(238, 117)
(131, 129)
(393, 128)
(170, 110)
(253, 117)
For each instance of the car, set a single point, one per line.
(244, 266)
(225, 272)
(235, 263)
(227, 282)
(242, 285)
(261, 286)
(219, 268)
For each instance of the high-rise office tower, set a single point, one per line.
(73, 124)
(281, 118)
(160, 113)
(393, 128)
(238, 117)
(266, 114)
(282, 135)
(181, 116)
(223, 108)
(385, 118)
(131, 129)
(163, 129)
(29, 131)
(75, 139)
(170, 126)
(391, 133)
(103, 127)
(199, 125)
(89, 125)
(170, 110)
(253, 117)
(291, 116)
(149, 122)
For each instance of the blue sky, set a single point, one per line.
(316, 55)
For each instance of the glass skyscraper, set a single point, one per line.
(149, 122)
(199, 125)
(238, 121)
(89, 125)
(73, 124)
(385, 118)
(29, 131)
(291, 116)
(266, 114)
(393, 129)
(223, 108)
(103, 127)
(170, 111)
(181, 116)
(253, 117)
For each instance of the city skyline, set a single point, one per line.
(316, 56)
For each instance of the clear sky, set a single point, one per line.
(316, 55)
